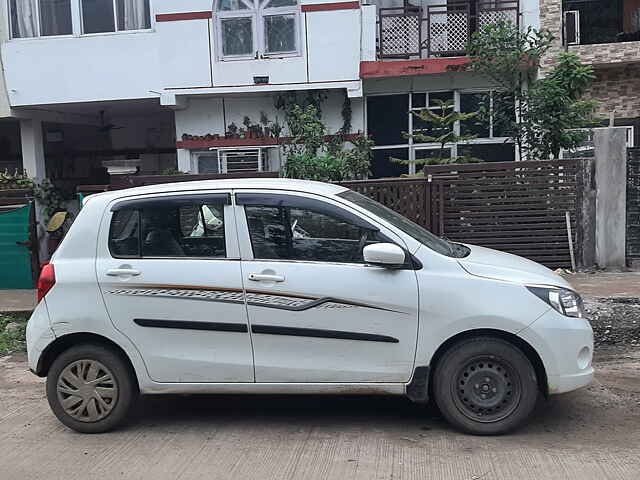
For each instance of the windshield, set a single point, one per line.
(421, 234)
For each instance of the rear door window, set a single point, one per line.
(191, 226)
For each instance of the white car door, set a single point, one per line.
(169, 270)
(317, 313)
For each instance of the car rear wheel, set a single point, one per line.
(485, 386)
(90, 388)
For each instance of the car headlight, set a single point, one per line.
(566, 302)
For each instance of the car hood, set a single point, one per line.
(488, 263)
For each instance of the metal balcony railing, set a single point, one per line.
(437, 30)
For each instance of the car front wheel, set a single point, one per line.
(90, 388)
(485, 386)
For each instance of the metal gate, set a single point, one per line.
(18, 257)
(516, 207)
(633, 205)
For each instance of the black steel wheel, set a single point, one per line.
(485, 386)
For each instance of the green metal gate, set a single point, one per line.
(16, 270)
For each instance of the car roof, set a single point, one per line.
(305, 186)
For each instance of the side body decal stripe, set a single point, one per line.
(317, 333)
(264, 329)
(188, 325)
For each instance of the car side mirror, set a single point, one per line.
(384, 255)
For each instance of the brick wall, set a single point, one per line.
(608, 53)
(617, 87)
(551, 20)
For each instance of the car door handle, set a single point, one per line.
(265, 277)
(121, 272)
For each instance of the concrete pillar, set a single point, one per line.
(32, 149)
(184, 161)
(34, 164)
(611, 197)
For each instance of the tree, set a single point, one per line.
(443, 132)
(541, 115)
(556, 111)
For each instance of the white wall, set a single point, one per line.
(173, 54)
(83, 69)
(5, 109)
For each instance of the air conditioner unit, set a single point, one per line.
(572, 27)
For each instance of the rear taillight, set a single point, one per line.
(46, 281)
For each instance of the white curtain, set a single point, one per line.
(135, 14)
(26, 20)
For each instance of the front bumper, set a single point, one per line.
(565, 346)
(39, 335)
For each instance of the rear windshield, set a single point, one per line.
(421, 234)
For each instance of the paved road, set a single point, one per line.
(592, 434)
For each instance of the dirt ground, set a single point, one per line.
(593, 433)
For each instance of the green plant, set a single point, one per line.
(12, 339)
(310, 156)
(50, 197)
(442, 120)
(357, 160)
(16, 180)
(541, 115)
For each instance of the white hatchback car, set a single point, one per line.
(284, 286)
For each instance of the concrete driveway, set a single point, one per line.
(591, 434)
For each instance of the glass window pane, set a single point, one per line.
(441, 96)
(280, 33)
(55, 17)
(431, 156)
(279, 3)
(230, 5)
(202, 228)
(133, 14)
(24, 18)
(383, 164)
(478, 125)
(388, 118)
(185, 231)
(504, 114)
(418, 100)
(97, 16)
(286, 233)
(124, 234)
(237, 36)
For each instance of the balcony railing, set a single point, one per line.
(437, 30)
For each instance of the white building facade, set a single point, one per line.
(195, 85)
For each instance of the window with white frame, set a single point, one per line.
(44, 18)
(40, 18)
(390, 123)
(257, 28)
(102, 16)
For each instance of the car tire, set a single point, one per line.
(485, 386)
(91, 389)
